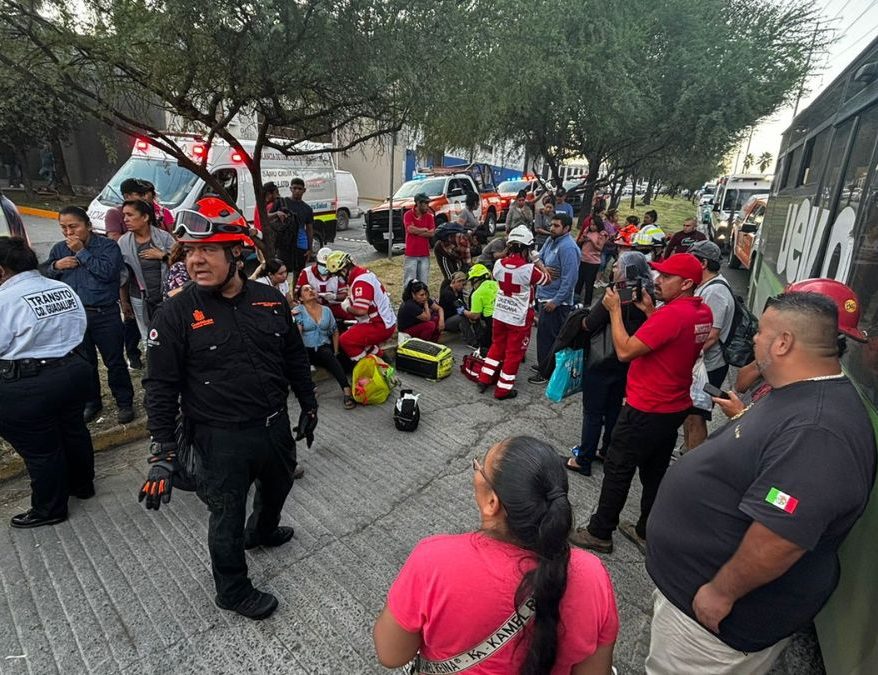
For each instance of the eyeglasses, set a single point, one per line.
(477, 466)
(195, 225)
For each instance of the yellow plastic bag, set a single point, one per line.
(372, 380)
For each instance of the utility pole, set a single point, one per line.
(390, 199)
(807, 68)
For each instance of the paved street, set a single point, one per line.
(118, 590)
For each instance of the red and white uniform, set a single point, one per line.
(377, 325)
(331, 290)
(513, 318)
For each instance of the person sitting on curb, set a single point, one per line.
(453, 305)
(331, 290)
(419, 315)
(320, 335)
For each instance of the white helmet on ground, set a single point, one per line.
(521, 235)
(323, 254)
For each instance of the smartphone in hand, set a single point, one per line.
(716, 392)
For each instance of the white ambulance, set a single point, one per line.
(178, 188)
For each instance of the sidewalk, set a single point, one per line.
(118, 590)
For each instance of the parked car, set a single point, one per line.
(447, 188)
(745, 229)
(348, 198)
(509, 189)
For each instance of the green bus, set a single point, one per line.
(822, 221)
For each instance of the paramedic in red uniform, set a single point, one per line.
(368, 302)
(517, 278)
(331, 290)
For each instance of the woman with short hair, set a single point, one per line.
(515, 576)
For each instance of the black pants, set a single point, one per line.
(324, 357)
(486, 335)
(227, 463)
(602, 395)
(41, 417)
(106, 334)
(547, 330)
(299, 261)
(588, 273)
(132, 338)
(640, 442)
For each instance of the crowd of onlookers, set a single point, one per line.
(740, 535)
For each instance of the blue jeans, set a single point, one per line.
(105, 334)
(416, 267)
(547, 331)
(602, 394)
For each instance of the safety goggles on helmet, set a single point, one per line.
(197, 226)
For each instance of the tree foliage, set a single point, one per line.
(304, 70)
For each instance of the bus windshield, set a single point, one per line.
(172, 182)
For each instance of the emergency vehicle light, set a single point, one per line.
(199, 150)
(141, 144)
(237, 156)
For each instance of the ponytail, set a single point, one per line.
(532, 485)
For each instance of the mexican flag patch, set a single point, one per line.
(781, 500)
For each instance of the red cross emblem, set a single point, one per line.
(508, 288)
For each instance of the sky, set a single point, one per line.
(855, 23)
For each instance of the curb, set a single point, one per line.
(39, 213)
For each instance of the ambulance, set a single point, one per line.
(178, 188)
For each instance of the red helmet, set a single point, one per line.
(845, 299)
(211, 221)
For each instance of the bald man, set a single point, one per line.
(742, 541)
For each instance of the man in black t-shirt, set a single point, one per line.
(742, 541)
(682, 241)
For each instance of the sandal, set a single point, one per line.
(349, 402)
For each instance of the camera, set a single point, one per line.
(630, 288)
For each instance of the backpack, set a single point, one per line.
(406, 413)
(738, 348)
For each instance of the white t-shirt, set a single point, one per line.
(719, 298)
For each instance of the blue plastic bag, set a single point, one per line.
(567, 377)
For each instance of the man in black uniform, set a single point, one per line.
(224, 350)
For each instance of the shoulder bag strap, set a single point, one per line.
(482, 651)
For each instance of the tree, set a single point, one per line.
(749, 160)
(764, 161)
(304, 71)
(29, 118)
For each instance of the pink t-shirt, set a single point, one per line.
(458, 590)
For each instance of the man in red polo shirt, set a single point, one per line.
(662, 353)
(419, 226)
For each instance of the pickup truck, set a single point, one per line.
(447, 190)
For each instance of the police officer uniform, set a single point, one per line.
(228, 364)
(43, 385)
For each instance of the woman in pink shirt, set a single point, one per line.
(592, 242)
(511, 597)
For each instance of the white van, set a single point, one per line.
(178, 188)
(731, 194)
(348, 198)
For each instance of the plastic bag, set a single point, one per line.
(700, 398)
(567, 377)
(372, 379)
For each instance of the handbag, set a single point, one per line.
(600, 349)
(567, 377)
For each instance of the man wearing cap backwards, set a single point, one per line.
(331, 290)
(718, 295)
(743, 539)
(225, 352)
(662, 353)
(419, 225)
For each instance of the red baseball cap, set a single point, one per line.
(683, 265)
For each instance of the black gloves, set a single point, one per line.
(159, 482)
(306, 425)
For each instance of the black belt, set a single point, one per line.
(103, 308)
(267, 421)
(18, 368)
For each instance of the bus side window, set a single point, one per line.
(229, 180)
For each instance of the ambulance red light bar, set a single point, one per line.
(199, 150)
(141, 145)
(237, 156)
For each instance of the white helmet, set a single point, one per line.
(521, 235)
(323, 254)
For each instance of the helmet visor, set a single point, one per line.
(195, 225)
